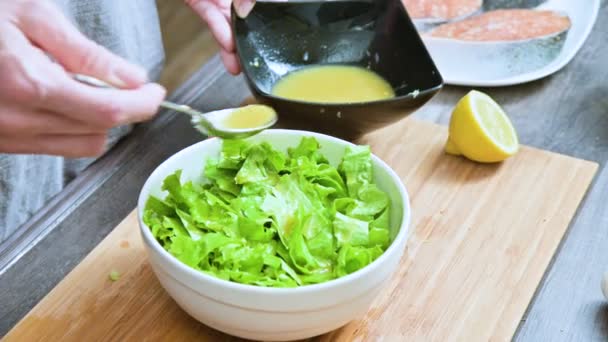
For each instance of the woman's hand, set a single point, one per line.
(42, 109)
(216, 13)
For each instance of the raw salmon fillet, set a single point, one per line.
(441, 9)
(505, 25)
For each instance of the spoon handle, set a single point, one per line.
(95, 82)
(92, 81)
(182, 109)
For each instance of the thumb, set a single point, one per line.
(243, 7)
(75, 52)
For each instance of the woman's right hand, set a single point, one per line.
(42, 109)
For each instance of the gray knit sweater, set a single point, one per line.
(129, 29)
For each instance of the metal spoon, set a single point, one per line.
(210, 123)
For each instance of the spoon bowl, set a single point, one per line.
(219, 124)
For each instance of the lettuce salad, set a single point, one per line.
(267, 218)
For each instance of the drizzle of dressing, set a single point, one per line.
(250, 116)
(333, 84)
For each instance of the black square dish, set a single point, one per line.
(280, 37)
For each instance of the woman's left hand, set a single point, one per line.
(216, 13)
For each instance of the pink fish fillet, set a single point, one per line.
(505, 25)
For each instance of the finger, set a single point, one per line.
(19, 122)
(243, 7)
(224, 6)
(46, 26)
(105, 108)
(230, 62)
(218, 23)
(71, 146)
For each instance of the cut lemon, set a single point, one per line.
(480, 130)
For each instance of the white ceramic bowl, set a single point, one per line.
(274, 313)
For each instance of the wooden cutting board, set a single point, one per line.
(482, 238)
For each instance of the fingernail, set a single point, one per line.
(140, 73)
(128, 77)
(162, 91)
(116, 81)
(243, 7)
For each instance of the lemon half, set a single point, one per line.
(480, 130)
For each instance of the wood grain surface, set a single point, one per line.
(483, 236)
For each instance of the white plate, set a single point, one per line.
(507, 63)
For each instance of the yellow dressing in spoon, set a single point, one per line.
(250, 116)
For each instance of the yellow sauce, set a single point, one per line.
(333, 84)
(251, 116)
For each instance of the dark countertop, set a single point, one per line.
(565, 113)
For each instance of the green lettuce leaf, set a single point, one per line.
(233, 154)
(356, 167)
(350, 231)
(309, 149)
(222, 178)
(354, 258)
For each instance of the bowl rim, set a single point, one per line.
(402, 234)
